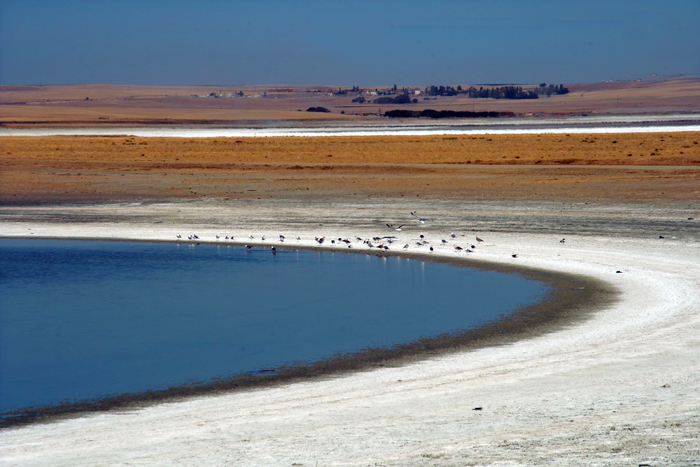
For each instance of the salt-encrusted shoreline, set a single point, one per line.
(621, 388)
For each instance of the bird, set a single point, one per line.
(405, 247)
(273, 250)
(298, 237)
(281, 237)
(194, 236)
(468, 250)
(458, 248)
(473, 247)
(262, 238)
(453, 235)
(226, 238)
(217, 236)
(422, 221)
(514, 255)
(431, 248)
(444, 241)
(563, 240)
(251, 237)
(479, 239)
(248, 247)
(179, 236)
(398, 229)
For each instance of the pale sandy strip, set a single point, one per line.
(589, 394)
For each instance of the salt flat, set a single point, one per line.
(620, 388)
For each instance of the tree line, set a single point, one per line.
(502, 92)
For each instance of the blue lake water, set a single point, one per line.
(85, 319)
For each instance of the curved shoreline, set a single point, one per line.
(618, 388)
(570, 299)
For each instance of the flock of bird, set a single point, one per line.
(381, 243)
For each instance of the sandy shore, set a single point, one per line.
(621, 388)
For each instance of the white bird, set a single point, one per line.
(422, 221)
(398, 229)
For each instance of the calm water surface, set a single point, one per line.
(87, 319)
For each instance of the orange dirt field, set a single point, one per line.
(617, 167)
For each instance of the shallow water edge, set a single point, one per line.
(572, 298)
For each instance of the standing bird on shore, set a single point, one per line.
(405, 247)
(563, 240)
(179, 236)
(453, 235)
(444, 241)
(251, 237)
(479, 240)
(514, 255)
(398, 229)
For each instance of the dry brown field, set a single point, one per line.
(633, 167)
(97, 104)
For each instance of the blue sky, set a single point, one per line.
(345, 42)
